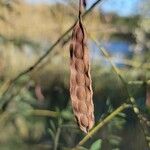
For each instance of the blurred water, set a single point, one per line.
(119, 49)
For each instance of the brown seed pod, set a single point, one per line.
(80, 79)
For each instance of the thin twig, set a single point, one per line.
(56, 141)
(102, 123)
(131, 63)
(139, 82)
(45, 113)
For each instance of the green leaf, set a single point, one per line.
(96, 145)
(51, 133)
(52, 125)
(66, 114)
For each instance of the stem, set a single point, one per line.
(57, 138)
(45, 113)
(56, 141)
(139, 82)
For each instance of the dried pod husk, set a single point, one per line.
(80, 79)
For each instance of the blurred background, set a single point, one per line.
(36, 113)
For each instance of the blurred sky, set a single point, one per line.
(121, 7)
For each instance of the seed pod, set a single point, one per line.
(80, 79)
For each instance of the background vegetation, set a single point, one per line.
(35, 112)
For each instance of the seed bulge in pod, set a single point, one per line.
(86, 59)
(88, 95)
(79, 33)
(80, 79)
(79, 65)
(73, 79)
(87, 81)
(72, 90)
(78, 51)
(91, 123)
(80, 92)
(75, 104)
(82, 107)
(90, 109)
(84, 121)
